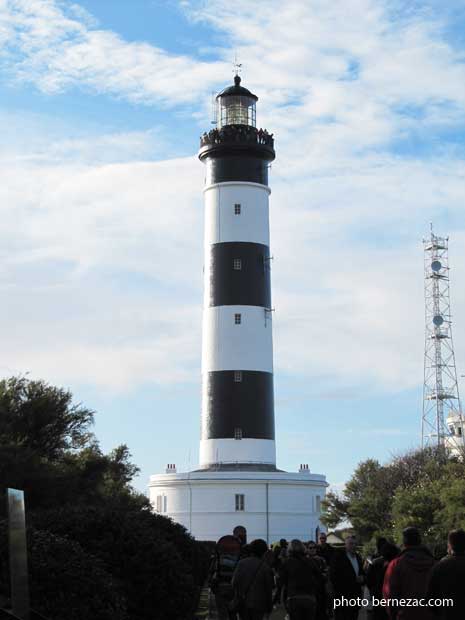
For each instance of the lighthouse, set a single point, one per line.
(237, 481)
(237, 350)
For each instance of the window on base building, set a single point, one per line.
(237, 376)
(237, 264)
(238, 433)
(162, 503)
(237, 319)
(237, 209)
(318, 503)
(240, 502)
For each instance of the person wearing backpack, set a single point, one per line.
(225, 559)
(253, 584)
(301, 583)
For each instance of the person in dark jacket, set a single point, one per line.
(253, 583)
(347, 578)
(280, 555)
(301, 582)
(448, 579)
(375, 575)
(324, 549)
(323, 600)
(407, 577)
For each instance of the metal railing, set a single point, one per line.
(243, 134)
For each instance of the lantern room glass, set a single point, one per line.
(236, 110)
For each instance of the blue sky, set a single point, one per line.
(101, 106)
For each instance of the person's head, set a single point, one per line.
(311, 547)
(241, 533)
(380, 542)
(296, 547)
(258, 548)
(283, 543)
(411, 537)
(351, 543)
(389, 551)
(323, 538)
(456, 542)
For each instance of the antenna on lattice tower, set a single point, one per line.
(442, 418)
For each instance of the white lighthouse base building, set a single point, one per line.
(270, 505)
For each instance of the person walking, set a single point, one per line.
(323, 598)
(280, 556)
(301, 583)
(224, 561)
(407, 577)
(324, 549)
(347, 578)
(448, 579)
(252, 584)
(375, 576)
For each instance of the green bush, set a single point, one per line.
(65, 581)
(158, 566)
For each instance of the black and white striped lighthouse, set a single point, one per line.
(237, 353)
(237, 481)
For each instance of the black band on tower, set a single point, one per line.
(240, 274)
(234, 168)
(246, 405)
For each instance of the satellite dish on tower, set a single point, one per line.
(438, 320)
(436, 265)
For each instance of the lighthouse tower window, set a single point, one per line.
(238, 433)
(237, 264)
(237, 319)
(237, 209)
(240, 503)
(237, 376)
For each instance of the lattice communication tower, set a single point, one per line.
(442, 421)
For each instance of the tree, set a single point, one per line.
(422, 488)
(41, 418)
(88, 526)
(47, 448)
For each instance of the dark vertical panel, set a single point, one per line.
(228, 404)
(248, 286)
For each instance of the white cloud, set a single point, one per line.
(56, 46)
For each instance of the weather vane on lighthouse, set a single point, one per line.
(237, 66)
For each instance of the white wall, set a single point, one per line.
(207, 507)
(222, 225)
(237, 451)
(227, 346)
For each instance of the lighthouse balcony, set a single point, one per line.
(236, 138)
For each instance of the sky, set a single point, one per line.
(102, 103)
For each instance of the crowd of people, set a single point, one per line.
(315, 581)
(237, 133)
